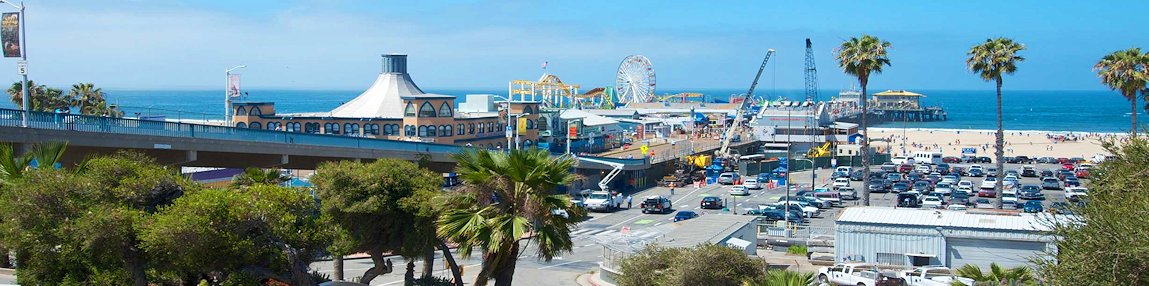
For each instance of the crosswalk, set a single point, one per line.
(602, 232)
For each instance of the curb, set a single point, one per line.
(7, 271)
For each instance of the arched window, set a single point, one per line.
(490, 127)
(331, 128)
(372, 129)
(410, 130)
(445, 110)
(389, 129)
(311, 127)
(254, 125)
(241, 125)
(240, 111)
(410, 110)
(426, 110)
(431, 131)
(273, 125)
(527, 109)
(530, 124)
(294, 127)
(462, 129)
(542, 123)
(255, 111)
(351, 129)
(472, 127)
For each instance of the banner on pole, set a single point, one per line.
(233, 85)
(522, 125)
(10, 34)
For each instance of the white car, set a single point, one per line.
(841, 182)
(989, 183)
(737, 190)
(922, 169)
(1007, 198)
(932, 202)
(808, 211)
(1075, 193)
(943, 188)
(949, 179)
(898, 160)
(966, 189)
(847, 193)
(965, 184)
(752, 183)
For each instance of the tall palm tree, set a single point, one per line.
(862, 57)
(998, 275)
(256, 176)
(991, 60)
(507, 195)
(1125, 71)
(90, 100)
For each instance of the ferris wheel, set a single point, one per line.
(635, 81)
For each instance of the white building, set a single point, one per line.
(918, 237)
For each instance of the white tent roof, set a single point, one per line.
(587, 118)
(383, 99)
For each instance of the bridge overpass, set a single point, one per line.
(197, 145)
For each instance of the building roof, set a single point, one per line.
(843, 125)
(943, 218)
(385, 97)
(712, 228)
(681, 105)
(612, 112)
(897, 93)
(587, 118)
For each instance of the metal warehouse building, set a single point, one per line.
(918, 237)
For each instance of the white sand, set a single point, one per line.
(1018, 143)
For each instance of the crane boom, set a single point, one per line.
(725, 149)
(602, 185)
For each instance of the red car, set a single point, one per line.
(987, 193)
(1067, 166)
(905, 168)
(951, 159)
(1062, 160)
(1082, 174)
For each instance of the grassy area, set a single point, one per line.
(797, 249)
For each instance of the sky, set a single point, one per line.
(335, 44)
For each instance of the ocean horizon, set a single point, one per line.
(1069, 110)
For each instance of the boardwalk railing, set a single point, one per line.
(109, 125)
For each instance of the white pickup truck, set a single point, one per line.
(1074, 194)
(860, 274)
(602, 201)
(933, 276)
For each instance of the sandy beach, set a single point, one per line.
(1018, 143)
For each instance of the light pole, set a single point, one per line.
(508, 128)
(227, 94)
(22, 66)
(516, 131)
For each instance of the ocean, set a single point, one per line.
(1082, 111)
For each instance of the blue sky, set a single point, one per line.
(483, 44)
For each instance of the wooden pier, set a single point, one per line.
(930, 113)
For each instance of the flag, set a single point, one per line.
(233, 85)
(544, 65)
(10, 34)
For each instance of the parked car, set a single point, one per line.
(877, 186)
(984, 160)
(856, 176)
(976, 173)
(922, 168)
(1009, 159)
(1083, 171)
(850, 274)
(776, 214)
(1030, 192)
(711, 202)
(1028, 171)
(942, 169)
(833, 197)
(943, 188)
(839, 174)
(1074, 194)
(905, 168)
(1061, 174)
(1046, 160)
(739, 190)
(1050, 183)
(807, 209)
(684, 215)
(959, 198)
(932, 202)
(848, 193)
(921, 186)
(965, 184)
(1009, 198)
(951, 159)
(1046, 173)
(728, 178)
(1062, 160)
(908, 200)
(1023, 160)
(901, 160)
(983, 203)
(889, 167)
(841, 182)
(950, 179)
(1032, 207)
(1072, 181)
(900, 187)
(987, 193)
(989, 183)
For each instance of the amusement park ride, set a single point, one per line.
(635, 82)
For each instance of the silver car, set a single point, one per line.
(728, 178)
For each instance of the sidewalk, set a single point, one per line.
(591, 279)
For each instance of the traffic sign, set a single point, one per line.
(22, 68)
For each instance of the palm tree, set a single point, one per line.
(991, 60)
(780, 277)
(507, 195)
(862, 57)
(91, 100)
(998, 275)
(256, 176)
(1125, 71)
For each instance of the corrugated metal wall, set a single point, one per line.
(863, 242)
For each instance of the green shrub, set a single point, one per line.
(797, 249)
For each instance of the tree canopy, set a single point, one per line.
(706, 264)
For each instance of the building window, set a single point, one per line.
(530, 124)
(273, 125)
(254, 125)
(445, 110)
(447, 130)
(462, 129)
(410, 110)
(490, 127)
(241, 125)
(410, 130)
(240, 111)
(254, 111)
(390, 129)
(527, 109)
(542, 123)
(311, 127)
(331, 128)
(372, 129)
(422, 131)
(351, 129)
(431, 131)
(890, 258)
(294, 127)
(426, 110)
(472, 129)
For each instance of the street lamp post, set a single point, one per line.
(507, 100)
(22, 66)
(227, 94)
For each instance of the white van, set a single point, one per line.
(932, 158)
(847, 170)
